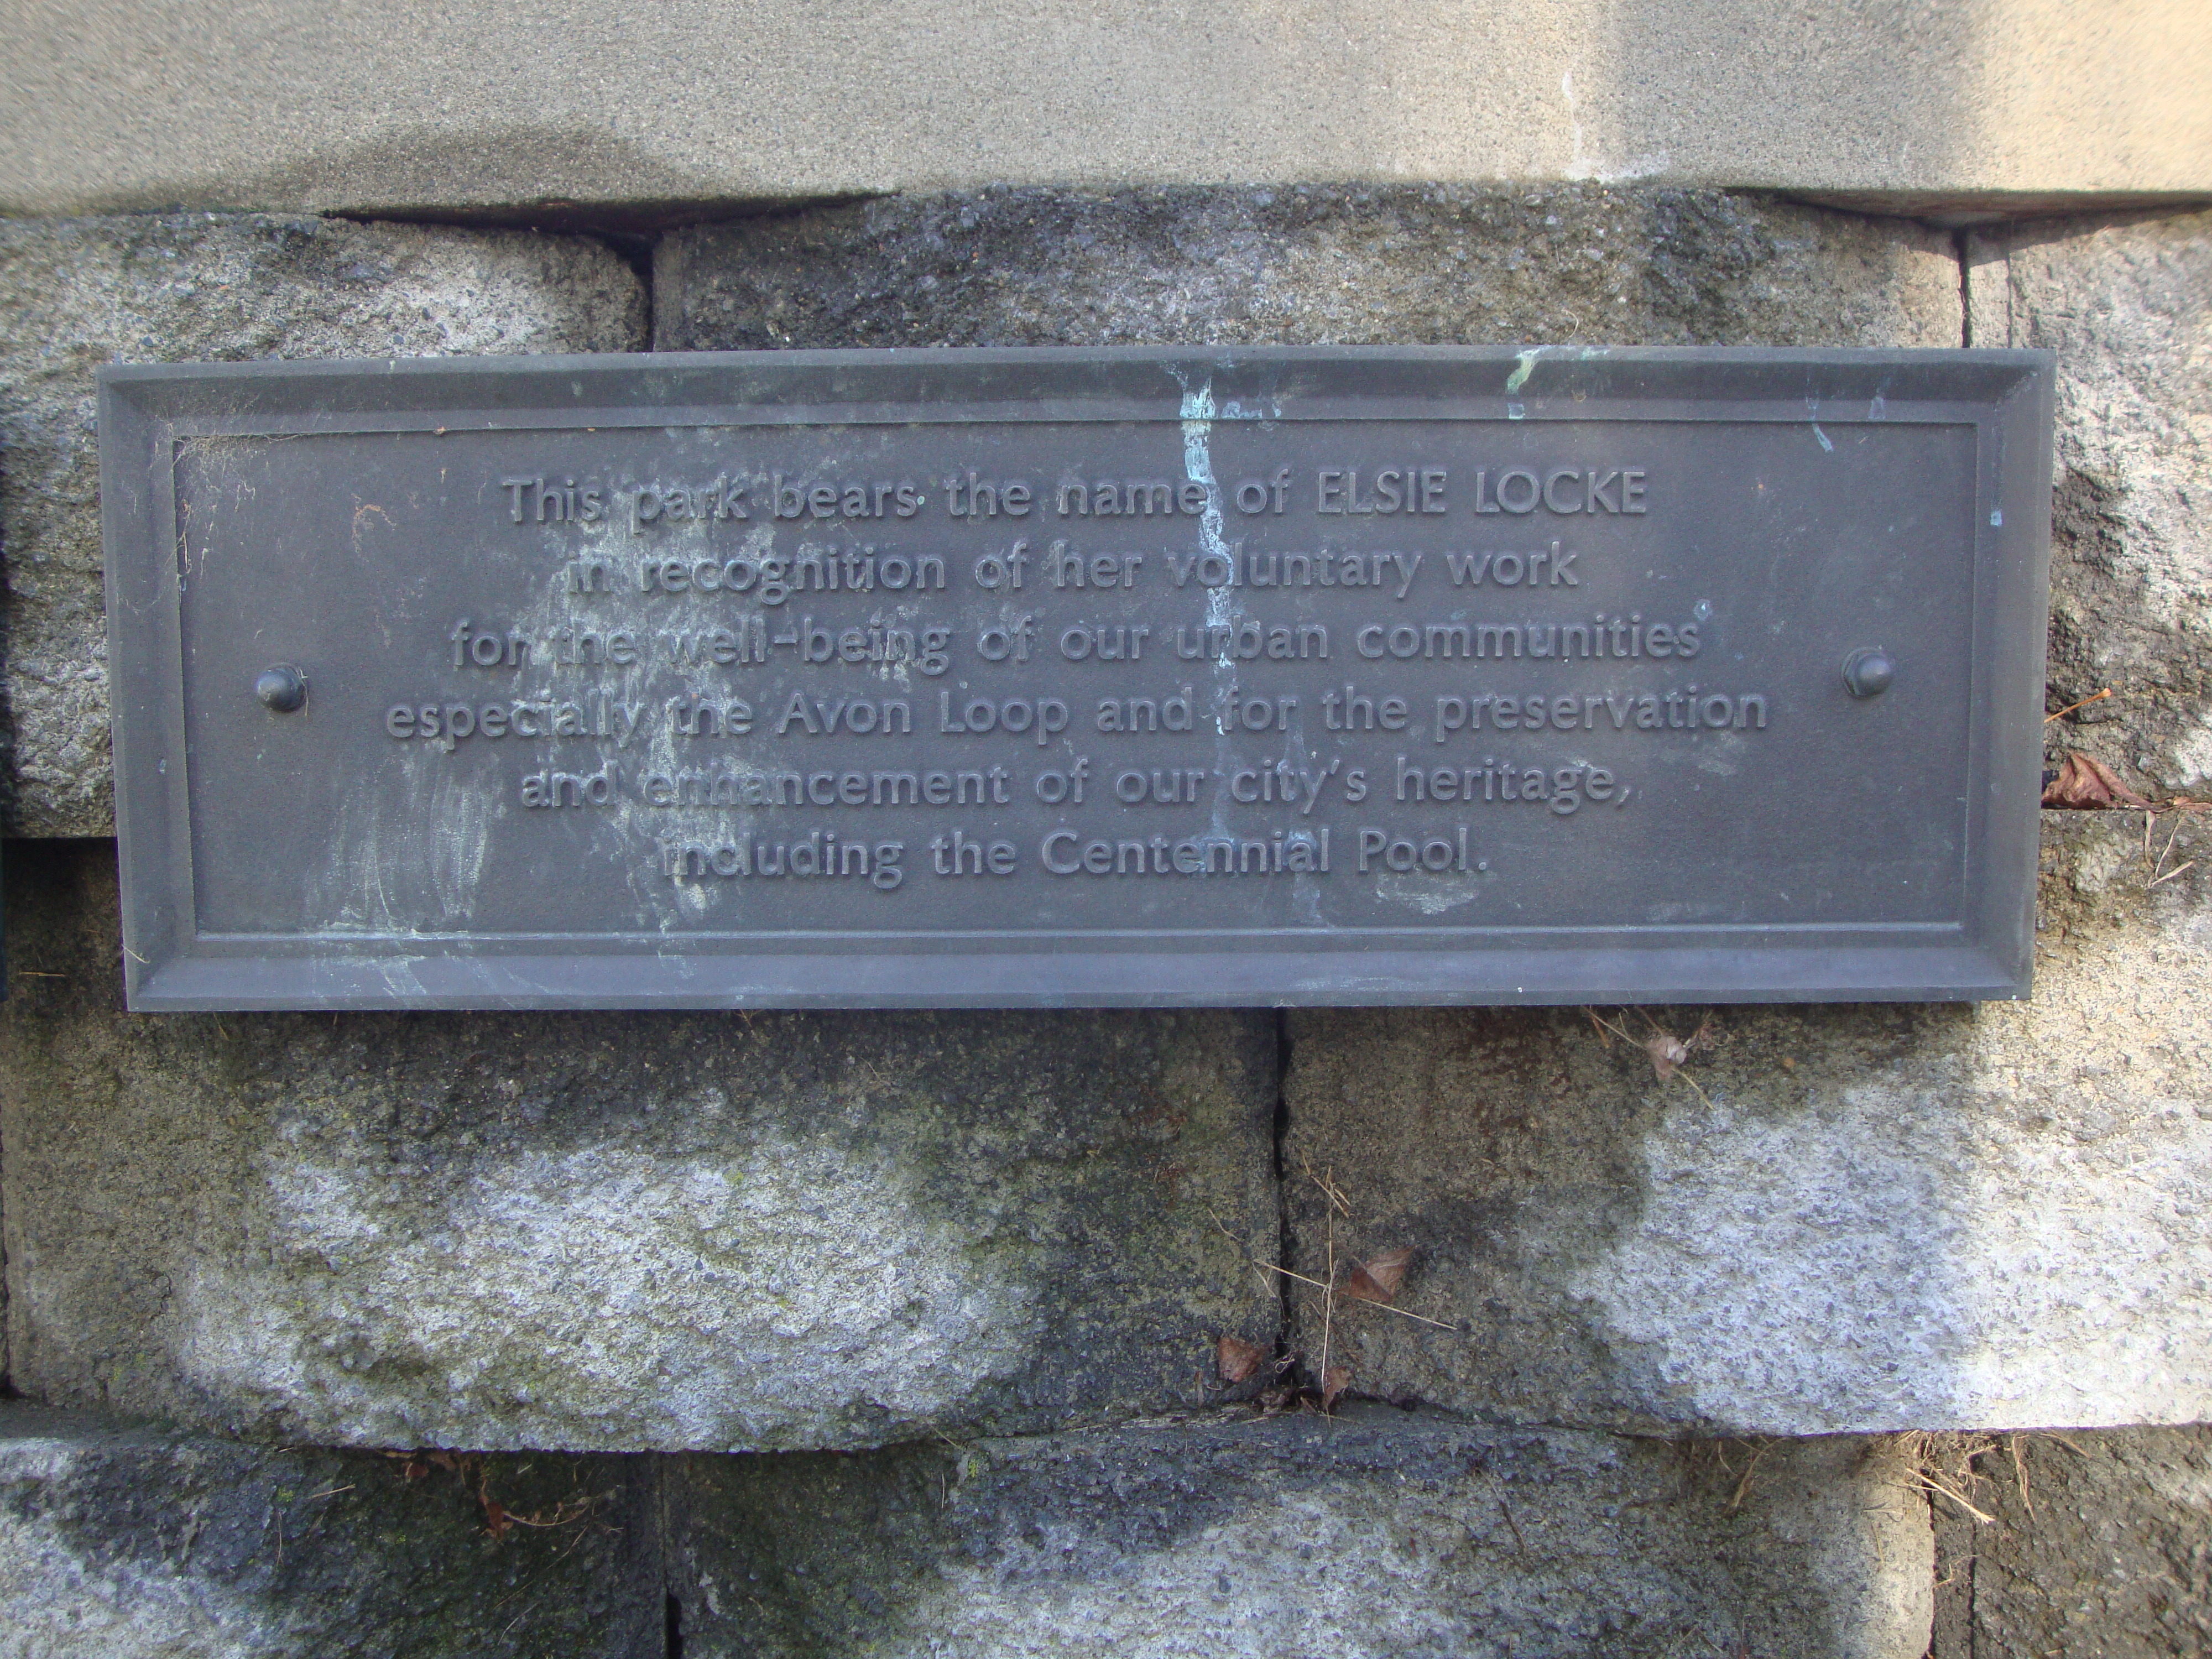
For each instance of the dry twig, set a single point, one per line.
(2094, 696)
(1943, 1465)
(2020, 1472)
(1326, 1181)
(1328, 1314)
(1743, 1482)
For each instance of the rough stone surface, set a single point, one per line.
(2100, 1547)
(1836, 1219)
(1379, 1534)
(124, 1542)
(75, 294)
(2127, 304)
(538, 108)
(1307, 265)
(615, 1232)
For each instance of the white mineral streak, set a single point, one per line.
(1221, 605)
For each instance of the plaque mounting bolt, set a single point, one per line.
(1869, 671)
(283, 688)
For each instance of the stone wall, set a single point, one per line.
(1006, 1333)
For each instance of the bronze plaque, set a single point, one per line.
(1019, 678)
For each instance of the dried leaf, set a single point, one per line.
(1360, 1285)
(494, 1515)
(1236, 1358)
(1334, 1381)
(1669, 1053)
(2086, 782)
(1378, 1278)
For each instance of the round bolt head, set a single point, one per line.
(1868, 671)
(283, 688)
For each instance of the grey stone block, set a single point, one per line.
(2127, 304)
(126, 1542)
(2100, 1547)
(1836, 1219)
(615, 1232)
(1375, 1533)
(76, 294)
(538, 107)
(1307, 265)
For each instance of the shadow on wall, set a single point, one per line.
(1307, 265)
(1377, 1533)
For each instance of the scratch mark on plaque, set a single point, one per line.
(1723, 755)
(401, 982)
(377, 910)
(360, 512)
(1430, 895)
(1812, 420)
(461, 824)
(352, 891)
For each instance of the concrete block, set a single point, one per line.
(75, 295)
(1376, 1533)
(128, 1542)
(2127, 304)
(1836, 1219)
(545, 108)
(615, 1232)
(1307, 265)
(2099, 1544)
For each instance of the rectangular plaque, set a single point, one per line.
(1035, 677)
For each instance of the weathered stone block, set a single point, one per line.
(1836, 1219)
(2099, 1543)
(2127, 304)
(615, 1231)
(76, 294)
(1307, 265)
(293, 103)
(124, 1542)
(1376, 1533)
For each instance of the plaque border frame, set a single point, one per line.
(2008, 395)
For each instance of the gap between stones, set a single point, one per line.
(1965, 296)
(1284, 1309)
